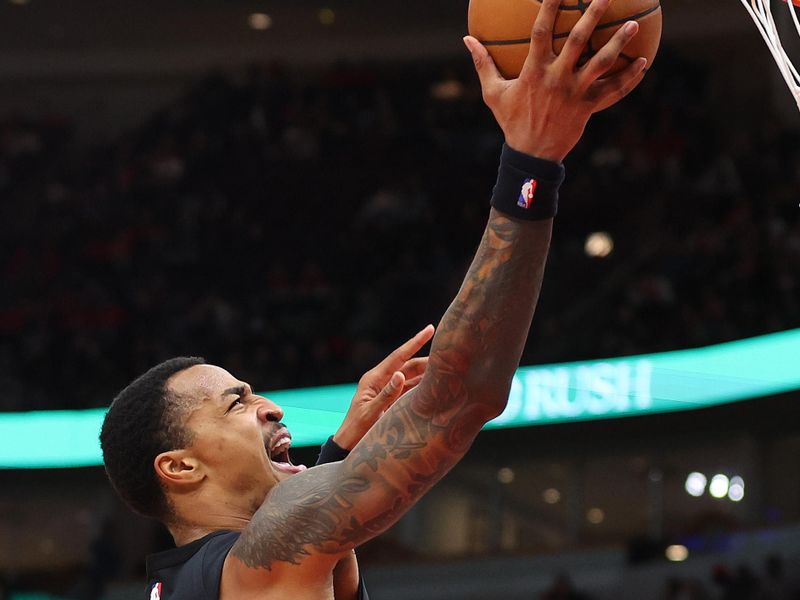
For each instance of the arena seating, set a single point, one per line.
(190, 234)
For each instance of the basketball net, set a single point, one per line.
(761, 12)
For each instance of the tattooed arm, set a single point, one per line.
(332, 508)
(315, 517)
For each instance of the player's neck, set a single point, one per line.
(198, 516)
(184, 533)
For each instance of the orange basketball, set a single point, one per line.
(504, 27)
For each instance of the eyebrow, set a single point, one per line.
(234, 391)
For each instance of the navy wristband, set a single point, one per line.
(527, 187)
(331, 452)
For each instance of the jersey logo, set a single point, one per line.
(155, 592)
(526, 195)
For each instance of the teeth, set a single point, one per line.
(283, 441)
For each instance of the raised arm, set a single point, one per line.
(333, 508)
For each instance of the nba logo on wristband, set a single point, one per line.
(527, 186)
(155, 592)
(526, 195)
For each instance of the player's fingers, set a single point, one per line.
(582, 33)
(610, 90)
(487, 71)
(542, 35)
(415, 367)
(402, 354)
(608, 54)
(411, 383)
(391, 391)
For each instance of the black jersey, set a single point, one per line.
(194, 571)
(190, 572)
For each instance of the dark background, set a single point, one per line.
(295, 202)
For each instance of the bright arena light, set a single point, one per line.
(259, 21)
(551, 496)
(677, 553)
(599, 245)
(736, 489)
(696, 484)
(449, 89)
(719, 486)
(505, 475)
(595, 516)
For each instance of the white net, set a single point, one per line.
(761, 12)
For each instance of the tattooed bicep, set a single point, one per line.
(299, 517)
(333, 508)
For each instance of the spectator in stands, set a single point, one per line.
(684, 589)
(105, 561)
(562, 588)
(774, 585)
(81, 227)
(741, 584)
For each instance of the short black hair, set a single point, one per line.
(142, 422)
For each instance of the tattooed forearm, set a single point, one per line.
(474, 354)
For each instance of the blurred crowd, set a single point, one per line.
(294, 227)
(723, 583)
(741, 583)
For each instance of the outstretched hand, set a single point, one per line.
(544, 112)
(381, 386)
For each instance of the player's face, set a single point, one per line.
(238, 436)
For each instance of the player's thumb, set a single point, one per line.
(484, 65)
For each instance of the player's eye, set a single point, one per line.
(235, 403)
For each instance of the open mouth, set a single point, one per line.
(278, 451)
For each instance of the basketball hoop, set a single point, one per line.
(761, 12)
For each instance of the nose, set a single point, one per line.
(268, 411)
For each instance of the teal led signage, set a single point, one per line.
(620, 387)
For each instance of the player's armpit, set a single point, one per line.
(346, 578)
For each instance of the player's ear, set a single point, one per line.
(178, 468)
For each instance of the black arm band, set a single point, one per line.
(527, 187)
(331, 452)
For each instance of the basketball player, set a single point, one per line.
(248, 527)
(140, 404)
